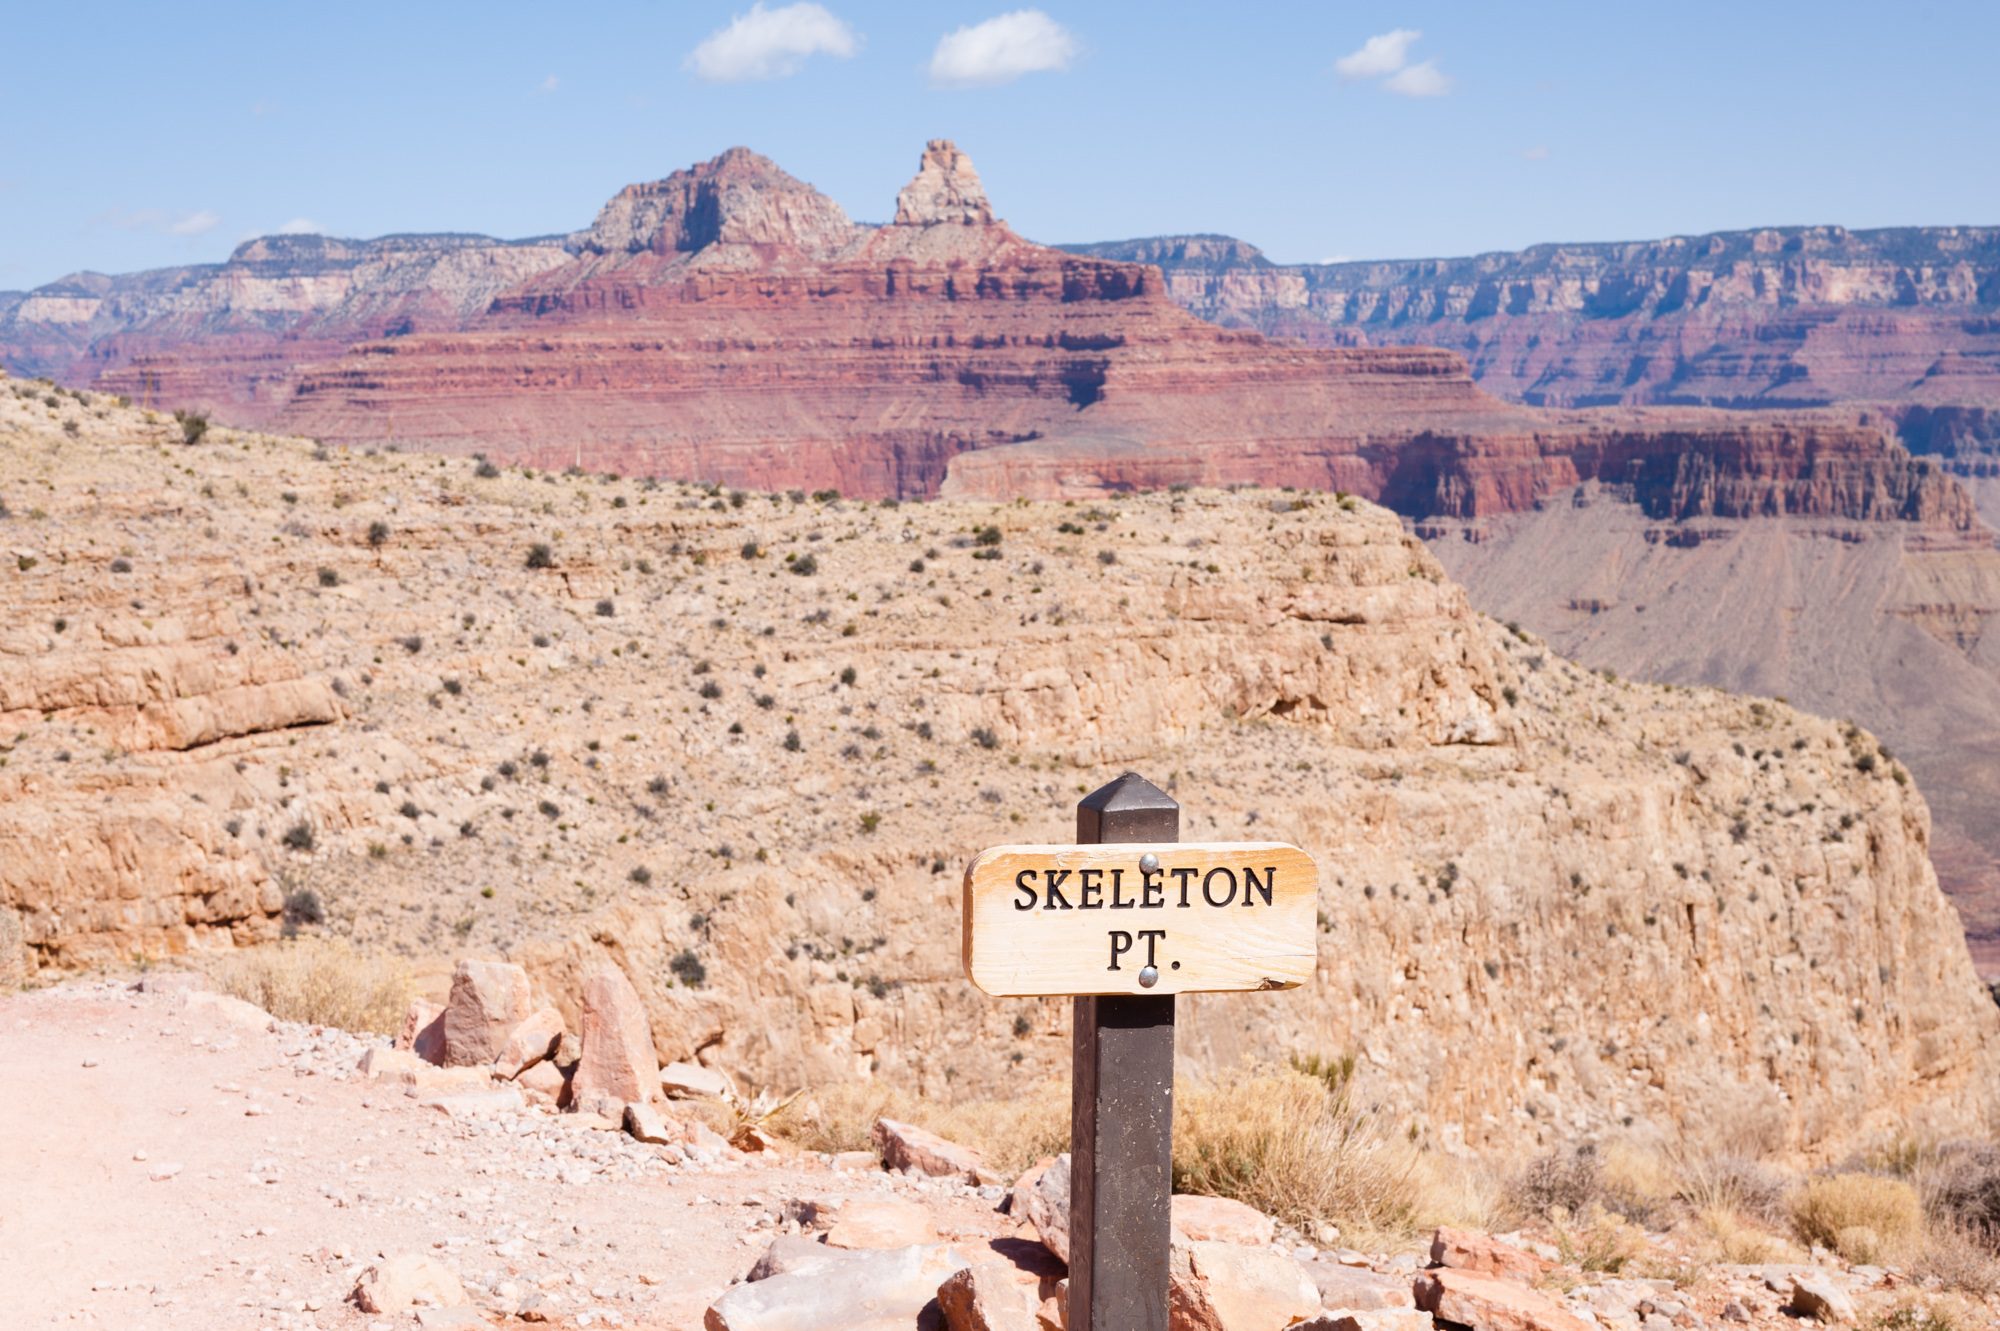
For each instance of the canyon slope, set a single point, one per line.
(742, 744)
(1902, 323)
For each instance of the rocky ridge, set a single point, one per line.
(1900, 321)
(740, 744)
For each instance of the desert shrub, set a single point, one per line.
(984, 737)
(1961, 1259)
(302, 908)
(1279, 1140)
(1863, 1217)
(1597, 1239)
(1960, 1184)
(193, 426)
(606, 609)
(687, 968)
(121, 565)
(378, 534)
(847, 676)
(485, 471)
(1107, 557)
(805, 566)
(540, 555)
(299, 836)
(321, 982)
(640, 874)
(710, 689)
(792, 742)
(1566, 1180)
(986, 536)
(751, 550)
(329, 577)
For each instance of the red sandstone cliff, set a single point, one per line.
(730, 323)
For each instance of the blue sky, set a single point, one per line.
(144, 135)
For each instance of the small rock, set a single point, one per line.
(1369, 1319)
(162, 1172)
(644, 1122)
(451, 1319)
(876, 1291)
(1354, 1288)
(530, 1043)
(1491, 1303)
(423, 1031)
(1733, 1311)
(1816, 1296)
(686, 1081)
(1041, 1198)
(408, 1280)
(882, 1222)
(915, 1150)
(1230, 1287)
(794, 1254)
(1468, 1250)
(1220, 1220)
(988, 1297)
(488, 1000)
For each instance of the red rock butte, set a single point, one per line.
(729, 323)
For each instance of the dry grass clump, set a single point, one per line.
(1010, 1134)
(321, 982)
(1863, 1217)
(1294, 1146)
(1597, 1240)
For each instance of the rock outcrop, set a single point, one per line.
(737, 752)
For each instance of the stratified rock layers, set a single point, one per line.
(730, 324)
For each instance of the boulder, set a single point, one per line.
(876, 1291)
(645, 1123)
(794, 1254)
(1357, 1289)
(405, 1281)
(617, 1062)
(989, 1296)
(1231, 1287)
(423, 1031)
(397, 1066)
(689, 1081)
(488, 1000)
(915, 1150)
(1469, 1250)
(1369, 1319)
(1816, 1296)
(1041, 1199)
(543, 1083)
(533, 1041)
(1491, 1303)
(882, 1222)
(1220, 1220)
(487, 1103)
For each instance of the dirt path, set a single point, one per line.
(173, 1162)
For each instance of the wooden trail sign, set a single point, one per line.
(1119, 919)
(1235, 916)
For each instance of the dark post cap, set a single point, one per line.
(1128, 809)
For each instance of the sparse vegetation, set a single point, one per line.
(320, 982)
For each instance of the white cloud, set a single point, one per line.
(1425, 80)
(771, 43)
(195, 224)
(1379, 56)
(549, 84)
(1001, 49)
(300, 226)
(1538, 153)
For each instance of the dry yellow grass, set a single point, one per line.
(1738, 1241)
(320, 982)
(1010, 1134)
(1863, 1217)
(1285, 1142)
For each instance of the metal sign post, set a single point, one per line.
(1124, 931)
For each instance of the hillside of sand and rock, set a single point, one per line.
(740, 745)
